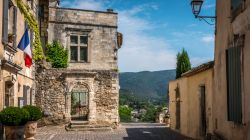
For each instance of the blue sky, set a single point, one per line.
(155, 30)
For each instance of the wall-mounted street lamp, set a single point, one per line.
(196, 9)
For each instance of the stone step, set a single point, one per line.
(90, 129)
(85, 126)
(88, 126)
(79, 122)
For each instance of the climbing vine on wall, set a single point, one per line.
(30, 19)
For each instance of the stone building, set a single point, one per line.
(231, 70)
(190, 102)
(16, 80)
(88, 89)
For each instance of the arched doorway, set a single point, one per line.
(79, 103)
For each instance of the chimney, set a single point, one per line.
(110, 10)
(54, 3)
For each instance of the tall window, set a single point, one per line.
(9, 23)
(79, 48)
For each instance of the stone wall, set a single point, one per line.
(50, 95)
(54, 88)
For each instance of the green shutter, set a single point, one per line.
(5, 21)
(235, 4)
(234, 84)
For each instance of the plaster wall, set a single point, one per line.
(190, 103)
(224, 38)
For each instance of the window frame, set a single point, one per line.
(79, 45)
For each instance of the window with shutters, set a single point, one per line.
(234, 97)
(236, 7)
(78, 48)
(12, 24)
(9, 23)
(5, 21)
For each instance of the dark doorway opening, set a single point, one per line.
(178, 108)
(79, 106)
(203, 110)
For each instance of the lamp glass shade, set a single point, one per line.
(196, 6)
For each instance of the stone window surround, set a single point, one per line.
(79, 33)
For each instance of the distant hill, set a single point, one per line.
(147, 85)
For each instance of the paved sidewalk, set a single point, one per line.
(129, 131)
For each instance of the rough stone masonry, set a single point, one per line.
(92, 71)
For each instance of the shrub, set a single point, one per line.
(57, 55)
(35, 112)
(14, 116)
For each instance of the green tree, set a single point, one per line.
(125, 113)
(57, 55)
(183, 63)
(150, 113)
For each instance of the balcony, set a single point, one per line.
(7, 62)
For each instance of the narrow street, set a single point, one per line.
(128, 131)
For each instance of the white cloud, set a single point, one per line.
(155, 7)
(192, 25)
(209, 6)
(84, 4)
(208, 39)
(142, 51)
(196, 61)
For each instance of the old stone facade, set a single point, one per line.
(55, 87)
(88, 89)
(100, 30)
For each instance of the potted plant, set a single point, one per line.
(31, 125)
(14, 119)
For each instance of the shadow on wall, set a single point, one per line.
(153, 134)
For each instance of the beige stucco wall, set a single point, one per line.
(23, 77)
(190, 102)
(224, 37)
(1, 55)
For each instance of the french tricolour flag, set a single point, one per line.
(24, 45)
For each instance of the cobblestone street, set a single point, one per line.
(142, 131)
